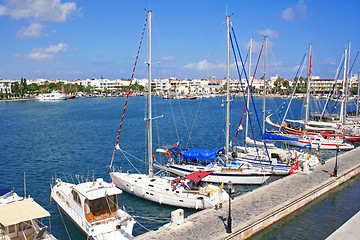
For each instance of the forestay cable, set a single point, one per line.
(128, 94)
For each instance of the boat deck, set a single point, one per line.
(255, 210)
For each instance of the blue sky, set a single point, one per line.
(57, 39)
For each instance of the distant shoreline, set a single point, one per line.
(219, 95)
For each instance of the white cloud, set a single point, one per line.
(41, 10)
(288, 14)
(34, 31)
(49, 53)
(269, 33)
(256, 46)
(204, 65)
(301, 9)
(298, 11)
(168, 58)
(330, 61)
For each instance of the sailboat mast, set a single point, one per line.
(347, 77)
(149, 125)
(308, 90)
(342, 109)
(358, 92)
(264, 93)
(227, 89)
(248, 94)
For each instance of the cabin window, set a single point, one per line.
(97, 205)
(100, 208)
(87, 206)
(76, 197)
(2, 230)
(104, 204)
(11, 228)
(112, 202)
(24, 225)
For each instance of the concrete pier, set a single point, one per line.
(256, 210)
(349, 230)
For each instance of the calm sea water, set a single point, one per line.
(320, 218)
(76, 137)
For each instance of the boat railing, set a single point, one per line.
(39, 226)
(3, 236)
(81, 220)
(115, 169)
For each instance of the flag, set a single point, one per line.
(177, 144)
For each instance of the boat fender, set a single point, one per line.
(309, 156)
(167, 154)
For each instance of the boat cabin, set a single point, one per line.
(101, 208)
(98, 199)
(19, 220)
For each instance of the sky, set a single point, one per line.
(80, 39)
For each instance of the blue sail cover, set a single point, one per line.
(200, 154)
(177, 150)
(275, 137)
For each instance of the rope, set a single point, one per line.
(153, 218)
(67, 232)
(172, 112)
(246, 99)
(252, 97)
(123, 152)
(127, 95)
(143, 226)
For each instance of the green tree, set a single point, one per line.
(33, 87)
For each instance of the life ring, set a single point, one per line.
(167, 154)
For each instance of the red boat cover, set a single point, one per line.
(195, 176)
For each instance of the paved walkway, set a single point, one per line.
(261, 204)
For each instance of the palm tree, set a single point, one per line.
(6, 84)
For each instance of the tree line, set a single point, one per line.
(21, 89)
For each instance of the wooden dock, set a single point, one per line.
(256, 210)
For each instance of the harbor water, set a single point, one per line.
(74, 139)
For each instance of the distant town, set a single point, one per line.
(25, 88)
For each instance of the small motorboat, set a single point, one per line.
(20, 218)
(93, 207)
(53, 96)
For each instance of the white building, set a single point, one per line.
(5, 86)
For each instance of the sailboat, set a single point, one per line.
(266, 155)
(223, 166)
(188, 192)
(304, 135)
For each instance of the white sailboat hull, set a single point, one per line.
(159, 190)
(329, 145)
(223, 175)
(281, 159)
